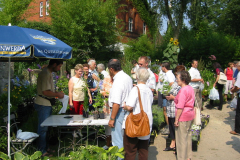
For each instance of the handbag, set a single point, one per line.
(197, 119)
(222, 78)
(137, 125)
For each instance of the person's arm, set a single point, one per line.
(179, 112)
(197, 80)
(224, 71)
(169, 98)
(128, 108)
(70, 92)
(49, 93)
(115, 109)
(90, 96)
(235, 89)
(214, 85)
(95, 77)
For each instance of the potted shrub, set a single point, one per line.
(98, 105)
(86, 104)
(152, 136)
(165, 89)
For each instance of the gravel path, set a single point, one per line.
(216, 141)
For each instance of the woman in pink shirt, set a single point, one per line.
(184, 105)
(229, 73)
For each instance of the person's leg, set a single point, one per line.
(220, 91)
(226, 87)
(75, 109)
(130, 147)
(172, 131)
(43, 113)
(143, 149)
(198, 95)
(108, 136)
(181, 141)
(237, 117)
(189, 139)
(160, 99)
(81, 108)
(117, 131)
(165, 110)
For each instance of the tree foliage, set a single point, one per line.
(206, 42)
(11, 11)
(143, 46)
(85, 25)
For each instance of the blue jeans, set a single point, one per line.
(43, 113)
(117, 131)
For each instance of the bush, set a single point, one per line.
(158, 117)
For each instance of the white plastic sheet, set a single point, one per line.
(234, 103)
(64, 103)
(214, 95)
(26, 135)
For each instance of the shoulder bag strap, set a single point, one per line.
(139, 97)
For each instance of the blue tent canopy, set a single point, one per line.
(23, 43)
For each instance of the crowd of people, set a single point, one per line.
(123, 98)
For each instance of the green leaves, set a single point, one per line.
(84, 24)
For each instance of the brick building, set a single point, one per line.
(133, 25)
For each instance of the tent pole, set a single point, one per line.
(9, 105)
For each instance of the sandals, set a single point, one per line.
(47, 154)
(170, 149)
(234, 133)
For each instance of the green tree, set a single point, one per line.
(87, 26)
(229, 19)
(11, 11)
(143, 46)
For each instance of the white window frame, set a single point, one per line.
(41, 9)
(130, 24)
(47, 7)
(144, 28)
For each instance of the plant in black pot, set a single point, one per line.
(165, 90)
(98, 105)
(86, 104)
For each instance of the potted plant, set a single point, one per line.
(165, 89)
(152, 136)
(98, 105)
(86, 104)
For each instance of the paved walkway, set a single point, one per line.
(216, 141)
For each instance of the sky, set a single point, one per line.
(164, 25)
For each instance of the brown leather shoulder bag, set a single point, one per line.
(137, 125)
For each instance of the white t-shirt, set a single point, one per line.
(133, 101)
(151, 82)
(237, 83)
(169, 77)
(105, 73)
(121, 87)
(135, 68)
(195, 74)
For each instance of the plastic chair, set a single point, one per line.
(18, 145)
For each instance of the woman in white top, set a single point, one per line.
(76, 87)
(140, 144)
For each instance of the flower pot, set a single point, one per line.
(102, 115)
(85, 114)
(95, 115)
(152, 138)
(195, 145)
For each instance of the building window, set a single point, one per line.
(144, 28)
(41, 9)
(130, 24)
(47, 7)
